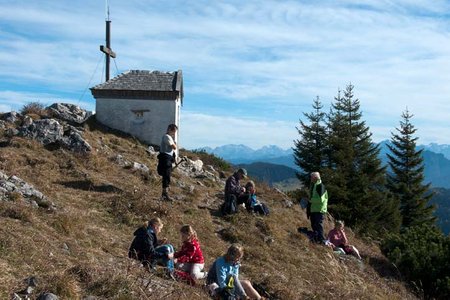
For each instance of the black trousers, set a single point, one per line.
(317, 226)
(165, 168)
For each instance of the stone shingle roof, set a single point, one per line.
(141, 84)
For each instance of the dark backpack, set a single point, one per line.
(230, 206)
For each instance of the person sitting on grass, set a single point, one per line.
(223, 277)
(190, 258)
(252, 203)
(146, 248)
(339, 242)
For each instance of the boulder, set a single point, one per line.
(14, 184)
(68, 112)
(47, 131)
(47, 296)
(11, 117)
(51, 132)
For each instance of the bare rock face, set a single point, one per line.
(68, 112)
(51, 132)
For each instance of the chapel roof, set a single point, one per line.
(141, 83)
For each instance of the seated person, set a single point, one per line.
(252, 204)
(223, 277)
(339, 242)
(146, 248)
(190, 258)
(233, 186)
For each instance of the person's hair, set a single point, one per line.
(315, 175)
(172, 127)
(189, 231)
(249, 184)
(339, 223)
(155, 221)
(234, 251)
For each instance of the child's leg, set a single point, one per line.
(250, 290)
(196, 271)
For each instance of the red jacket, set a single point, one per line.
(190, 253)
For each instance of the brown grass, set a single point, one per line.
(80, 249)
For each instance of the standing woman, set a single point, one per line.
(165, 159)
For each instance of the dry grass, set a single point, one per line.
(80, 249)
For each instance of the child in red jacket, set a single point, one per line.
(190, 258)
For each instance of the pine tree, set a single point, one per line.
(309, 151)
(355, 176)
(406, 179)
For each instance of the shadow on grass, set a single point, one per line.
(87, 185)
(384, 268)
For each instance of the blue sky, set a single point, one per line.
(250, 67)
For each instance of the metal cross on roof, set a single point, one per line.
(107, 49)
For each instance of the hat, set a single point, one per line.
(242, 171)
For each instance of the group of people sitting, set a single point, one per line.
(187, 264)
(235, 195)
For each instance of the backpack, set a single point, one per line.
(230, 206)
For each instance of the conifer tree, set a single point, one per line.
(355, 177)
(309, 151)
(406, 180)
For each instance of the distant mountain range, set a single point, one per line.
(436, 158)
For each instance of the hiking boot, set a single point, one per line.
(166, 197)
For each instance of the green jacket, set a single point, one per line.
(318, 198)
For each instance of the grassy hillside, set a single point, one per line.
(80, 248)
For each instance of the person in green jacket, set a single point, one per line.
(318, 200)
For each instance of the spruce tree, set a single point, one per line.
(406, 180)
(355, 177)
(309, 151)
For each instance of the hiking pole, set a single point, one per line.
(182, 159)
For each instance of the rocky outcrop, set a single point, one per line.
(11, 117)
(51, 132)
(13, 185)
(68, 112)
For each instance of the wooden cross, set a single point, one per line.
(107, 49)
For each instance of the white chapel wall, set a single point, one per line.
(145, 119)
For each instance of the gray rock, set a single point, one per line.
(75, 142)
(15, 184)
(152, 151)
(138, 167)
(68, 112)
(2, 124)
(10, 132)
(27, 121)
(121, 161)
(47, 296)
(47, 131)
(11, 117)
(50, 131)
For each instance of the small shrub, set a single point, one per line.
(33, 108)
(422, 254)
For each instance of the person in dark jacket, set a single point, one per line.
(146, 248)
(233, 187)
(165, 159)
